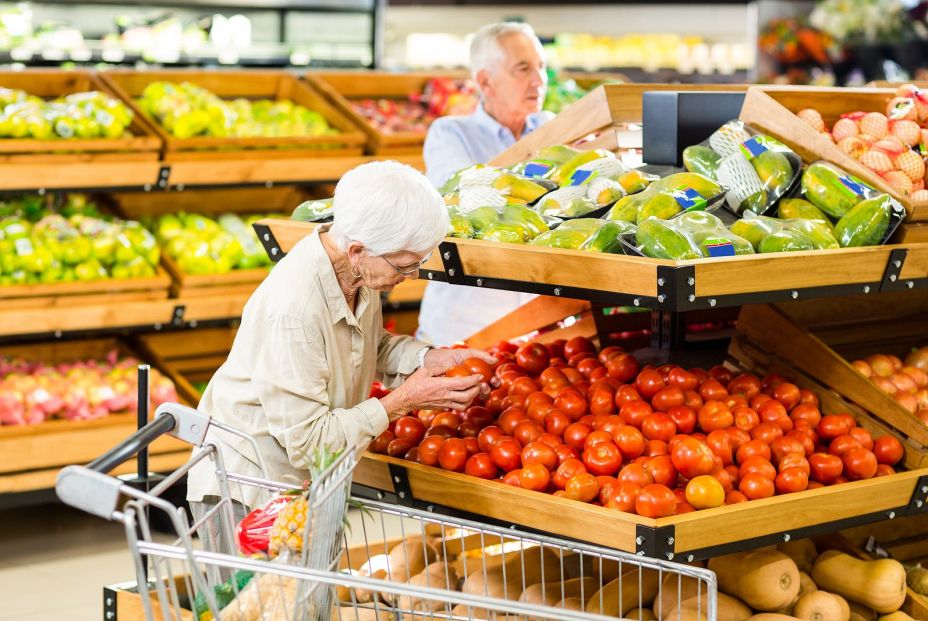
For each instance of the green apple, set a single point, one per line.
(104, 248)
(89, 270)
(76, 250)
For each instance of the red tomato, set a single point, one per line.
(537, 405)
(806, 412)
(787, 394)
(453, 454)
(458, 371)
(623, 497)
(550, 439)
(807, 397)
(476, 366)
(568, 469)
(612, 423)
(468, 430)
(755, 486)
(573, 375)
(578, 344)
(556, 348)
(510, 418)
(428, 450)
(626, 393)
(539, 453)
(656, 447)
(472, 447)
(441, 430)
(527, 431)
(506, 454)
(701, 374)
(523, 386)
(571, 403)
(883, 470)
(794, 460)
(757, 465)
(692, 400)
(495, 401)
(576, 433)
(635, 473)
(513, 401)
(771, 411)
(712, 390)
(859, 463)
(667, 399)
(588, 365)
(634, 412)
(535, 477)
(481, 465)
(513, 477)
(734, 497)
(552, 375)
(447, 419)
(565, 452)
(783, 446)
(409, 427)
(720, 443)
(714, 415)
(485, 439)
(832, 426)
(630, 441)
(720, 373)
(863, 436)
(649, 382)
(684, 418)
(556, 422)
(725, 477)
(608, 353)
(825, 468)
(745, 418)
(595, 437)
(656, 501)
(692, 458)
(399, 447)
(661, 469)
(735, 401)
(602, 403)
(758, 400)
(583, 487)
(842, 444)
(888, 450)
(381, 442)
(623, 367)
(682, 379)
(533, 357)
(658, 426)
(746, 384)
(805, 438)
(791, 479)
(739, 437)
(767, 432)
(771, 381)
(603, 458)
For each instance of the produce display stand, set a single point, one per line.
(341, 87)
(772, 109)
(76, 294)
(33, 454)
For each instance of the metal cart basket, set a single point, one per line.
(393, 564)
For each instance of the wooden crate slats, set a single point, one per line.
(538, 313)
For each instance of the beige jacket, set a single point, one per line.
(300, 372)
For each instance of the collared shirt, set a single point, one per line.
(451, 313)
(299, 373)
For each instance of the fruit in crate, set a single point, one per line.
(440, 97)
(905, 380)
(32, 391)
(90, 114)
(186, 110)
(200, 244)
(600, 427)
(38, 245)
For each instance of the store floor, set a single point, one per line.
(54, 562)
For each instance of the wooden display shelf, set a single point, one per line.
(79, 172)
(912, 233)
(141, 142)
(187, 360)
(640, 281)
(603, 112)
(772, 109)
(341, 87)
(185, 285)
(33, 454)
(849, 330)
(73, 295)
(276, 85)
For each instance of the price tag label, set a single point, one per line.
(854, 186)
(23, 246)
(752, 148)
(690, 200)
(536, 170)
(720, 249)
(579, 177)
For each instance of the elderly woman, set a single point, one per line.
(312, 340)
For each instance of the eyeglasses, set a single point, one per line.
(408, 271)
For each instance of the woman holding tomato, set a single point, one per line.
(312, 340)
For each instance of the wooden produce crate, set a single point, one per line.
(341, 87)
(773, 109)
(249, 85)
(33, 454)
(142, 143)
(822, 339)
(76, 294)
(187, 361)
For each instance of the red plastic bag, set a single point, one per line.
(253, 533)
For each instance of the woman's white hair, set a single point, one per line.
(388, 207)
(485, 50)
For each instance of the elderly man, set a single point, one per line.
(508, 64)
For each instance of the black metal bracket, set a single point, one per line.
(269, 242)
(109, 604)
(177, 317)
(401, 485)
(919, 502)
(894, 265)
(676, 287)
(164, 173)
(655, 542)
(451, 259)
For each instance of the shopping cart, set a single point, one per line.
(394, 564)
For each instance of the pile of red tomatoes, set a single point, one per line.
(657, 441)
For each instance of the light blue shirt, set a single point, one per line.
(451, 313)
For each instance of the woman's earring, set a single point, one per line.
(358, 273)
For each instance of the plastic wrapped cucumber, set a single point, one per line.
(867, 223)
(546, 162)
(754, 228)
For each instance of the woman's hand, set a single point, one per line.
(427, 389)
(440, 360)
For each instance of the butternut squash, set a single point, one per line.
(685, 614)
(802, 551)
(859, 612)
(570, 603)
(765, 580)
(896, 616)
(806, 584)
(879, 585)
(622, 594)
(438, 575)
(686, 593)
(769, 616)
(549, 593)
(509, 583)
(410, 557)
(641, 614)
(822, 606)
(349, 613)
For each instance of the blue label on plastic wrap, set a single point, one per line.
(855, 186)
(752, 148)
(690, 199)
(579, 177)
(534, 170)
(721, 249)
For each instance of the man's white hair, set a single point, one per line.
(388, 207)
(485, 50)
